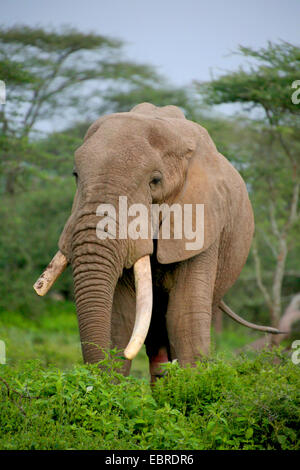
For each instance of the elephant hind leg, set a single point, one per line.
(155, 363)
(157, 342)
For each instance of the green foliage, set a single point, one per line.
(243, 404)
(267, 83)
(159, 94)
(37, 190)
(49, 65)
(32, 223)
(14, 73)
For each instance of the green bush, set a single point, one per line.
(245, 403)
(250, 403)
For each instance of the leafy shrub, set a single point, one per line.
(242, 404)
(250, 403)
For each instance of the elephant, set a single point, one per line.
(152, 290)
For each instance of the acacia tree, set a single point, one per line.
(272, 171)
(159, 94)
(59, 74)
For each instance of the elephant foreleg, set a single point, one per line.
(123, 316)
(190, 307)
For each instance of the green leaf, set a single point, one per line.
(249, 433)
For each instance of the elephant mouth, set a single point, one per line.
(144, 296)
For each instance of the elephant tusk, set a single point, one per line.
(144, 300)
(51, 273)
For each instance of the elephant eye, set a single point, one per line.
(155, 181)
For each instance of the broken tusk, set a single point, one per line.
(51, 273)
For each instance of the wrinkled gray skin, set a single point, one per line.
(126, 154)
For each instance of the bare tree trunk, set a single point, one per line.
(273, 296)
(290, 316)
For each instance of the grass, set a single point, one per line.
(51, 400)
(52, 338)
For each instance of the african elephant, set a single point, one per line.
(152, 155)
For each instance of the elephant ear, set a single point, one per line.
(202, 201)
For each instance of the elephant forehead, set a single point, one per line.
(116, 143)
(114, 136)
(124, 127)
(149, 109)
(134, 135)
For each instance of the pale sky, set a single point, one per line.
(185, 39)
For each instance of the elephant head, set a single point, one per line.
(150, 155)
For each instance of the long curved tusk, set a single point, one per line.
(144, 300)
(51, 273)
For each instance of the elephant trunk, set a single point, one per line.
(93, 297)
(96, 266)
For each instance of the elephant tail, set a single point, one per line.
(234, 316)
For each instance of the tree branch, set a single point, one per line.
(259, 281)
(294, 205)
(278, 278)
(40, 94)
(273, 221)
